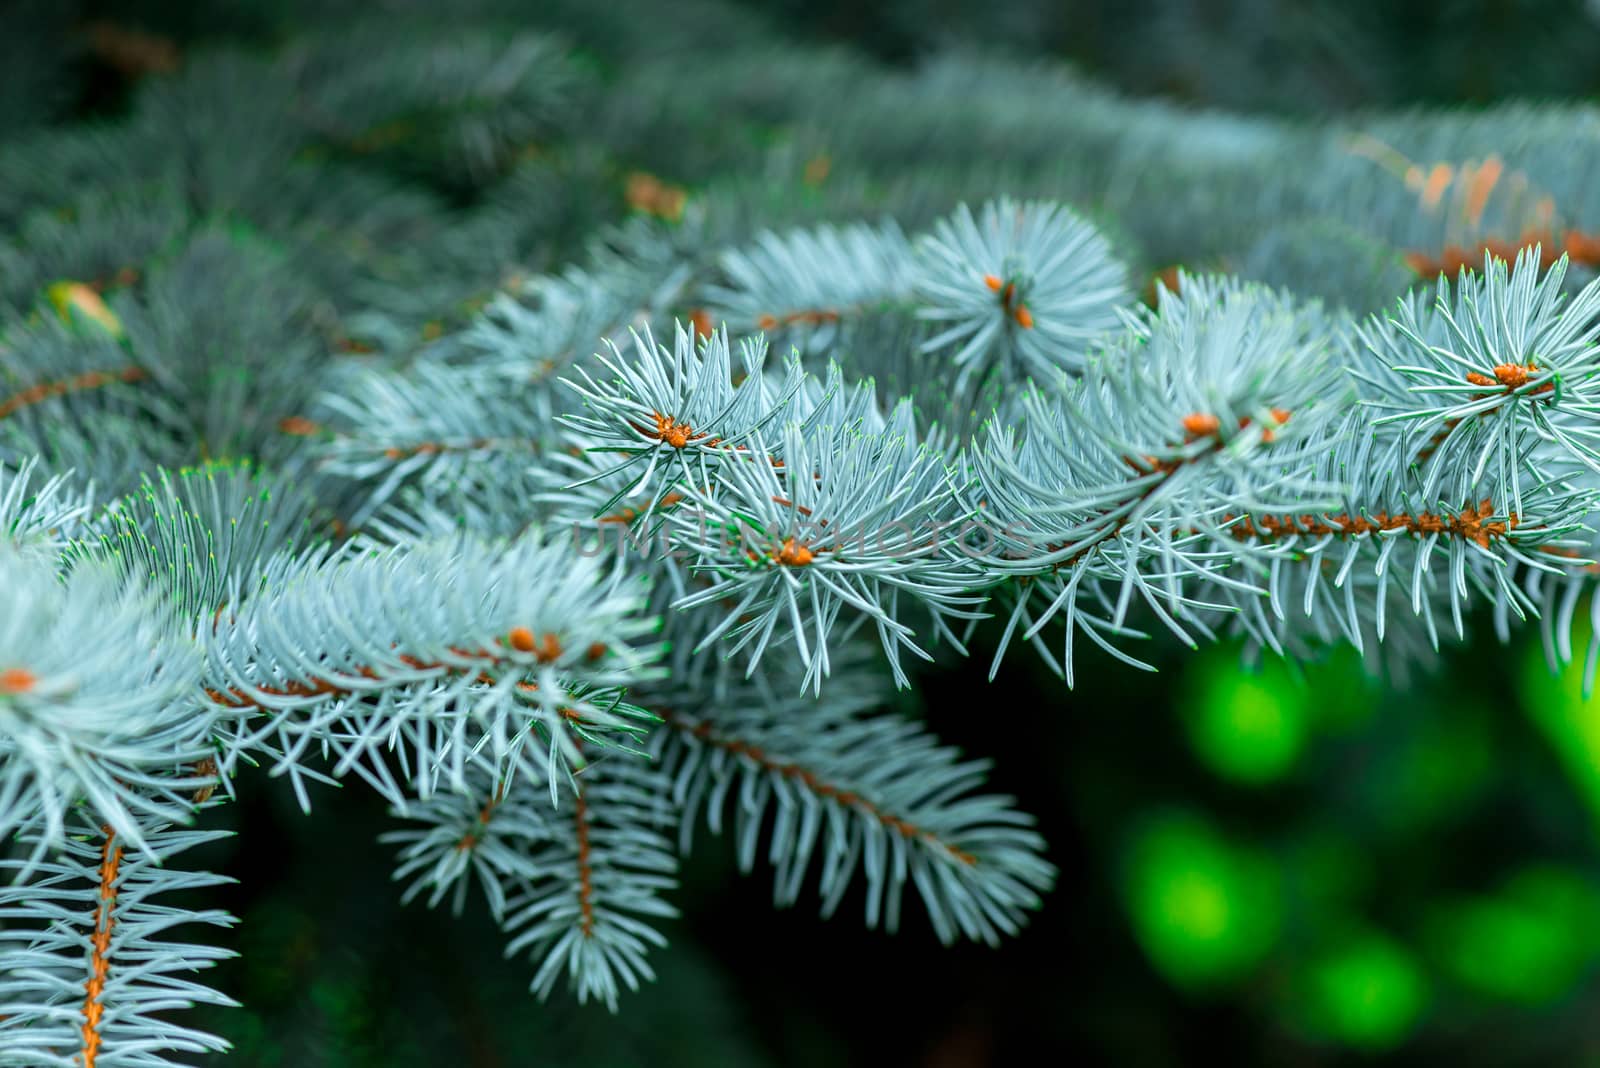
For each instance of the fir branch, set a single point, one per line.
(449, 644)
(95, 684)
(40, 519)
(874, 526)
(88, 380)
(595, 882)
(193, 532)
(1122, 484)
(799, 286)
(679, 409)
(86, 975)
(1020, 290)
(1483, 363)
(874, 793)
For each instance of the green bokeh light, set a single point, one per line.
(1252, 724)
(1367, 991)
(1555, 701)
(1205, 911)
(1528, 944)
(1248, 727)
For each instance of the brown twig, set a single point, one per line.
(88, 380)
(100, 943)
(705, 732)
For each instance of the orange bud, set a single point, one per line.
(16, 680)
(794, 554)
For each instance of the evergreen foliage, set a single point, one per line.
(445, 405)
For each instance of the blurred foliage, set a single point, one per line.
(1281, 56)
